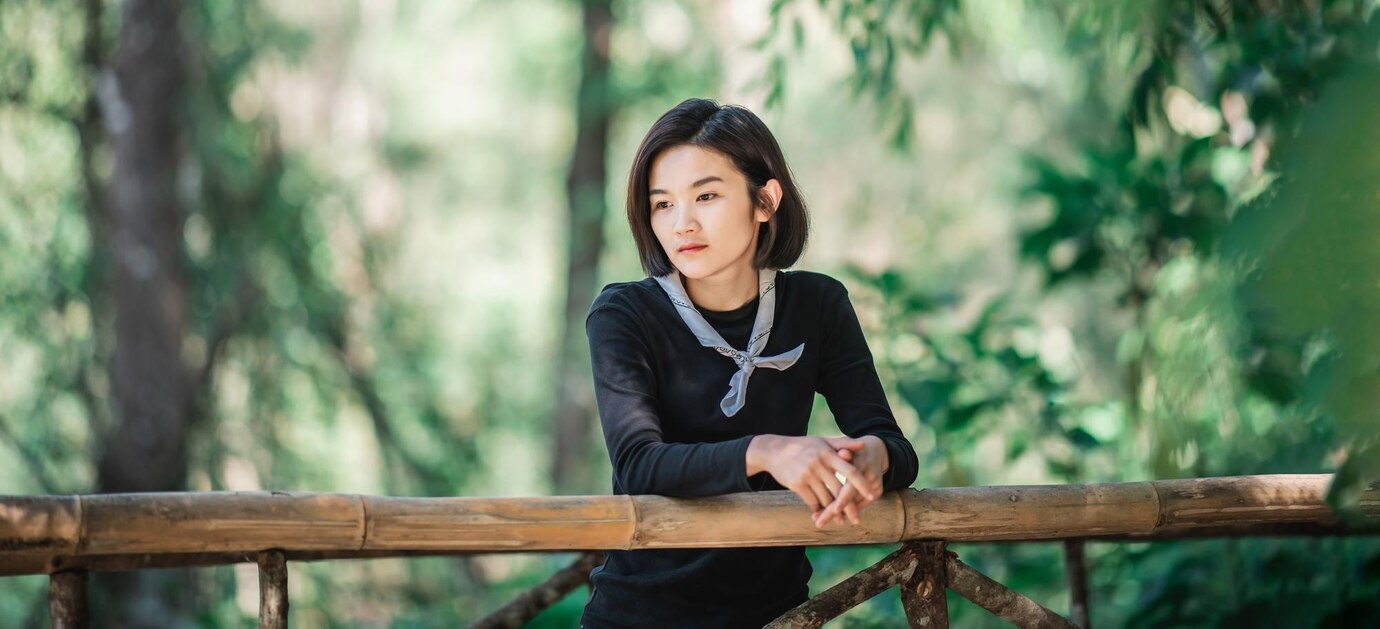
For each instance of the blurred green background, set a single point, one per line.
(1089, 241)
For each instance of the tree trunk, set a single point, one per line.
(146, 449)
(586, 200)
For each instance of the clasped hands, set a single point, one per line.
(807, 466)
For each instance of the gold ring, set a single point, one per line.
(842, 479)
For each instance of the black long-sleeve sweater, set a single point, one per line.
(658, 392)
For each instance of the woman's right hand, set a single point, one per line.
(804, 465)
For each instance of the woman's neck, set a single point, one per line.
(723, 293)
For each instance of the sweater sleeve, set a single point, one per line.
(848, 380)
(625, 389)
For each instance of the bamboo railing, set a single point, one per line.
(63, 535)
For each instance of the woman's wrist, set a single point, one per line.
(886, 452)
(757, 451)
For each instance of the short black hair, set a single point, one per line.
(741, 136)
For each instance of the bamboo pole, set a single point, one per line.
(45, 564)
(40, 534)
(220, 521)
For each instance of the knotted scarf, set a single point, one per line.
(747, 361)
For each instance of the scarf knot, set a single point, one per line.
(747, 361)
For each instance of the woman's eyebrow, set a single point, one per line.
(701, 182)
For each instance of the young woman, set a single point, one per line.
(706, 371)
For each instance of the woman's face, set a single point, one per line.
(701, 213)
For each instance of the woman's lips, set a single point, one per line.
(693, 249)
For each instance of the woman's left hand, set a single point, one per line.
(869, 455)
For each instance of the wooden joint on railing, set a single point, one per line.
(67, 599)
(922, 595)
(924, 571)
(273, 590)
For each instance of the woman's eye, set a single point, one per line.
(659, 205)
(706, 196)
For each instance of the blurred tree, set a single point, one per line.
(185, 245)
(146, 448)
(585, 185)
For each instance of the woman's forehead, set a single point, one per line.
(687, 166)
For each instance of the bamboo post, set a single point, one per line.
(1075, 564)
(922, 595)
(849, 593)
(273, 590)
(1003, 602)
(521, 610)
(67, 600)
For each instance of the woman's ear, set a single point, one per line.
(770, 199)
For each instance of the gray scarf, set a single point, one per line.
(709, 337)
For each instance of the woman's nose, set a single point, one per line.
(685, 220)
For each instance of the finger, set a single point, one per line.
(854, 476)
(807, 496)
(847, 496)
(823, 516)
(846, 442)
(846, 454)
(832, 481)
(851, 510)
(822, 495)
(838, 511)
(839, 464)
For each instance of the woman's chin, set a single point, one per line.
(700, 269)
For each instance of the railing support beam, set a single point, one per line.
(67, 600)
(273, 590)
(1003, 602)
(1076, 565)
(849, 593)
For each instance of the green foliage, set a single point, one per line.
(1206, 158)
(970, 378)
(1310, 264)
(1227, 364)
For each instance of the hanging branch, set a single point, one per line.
(32, 460)
(231, 318)
(362, 382)
(521, 610)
